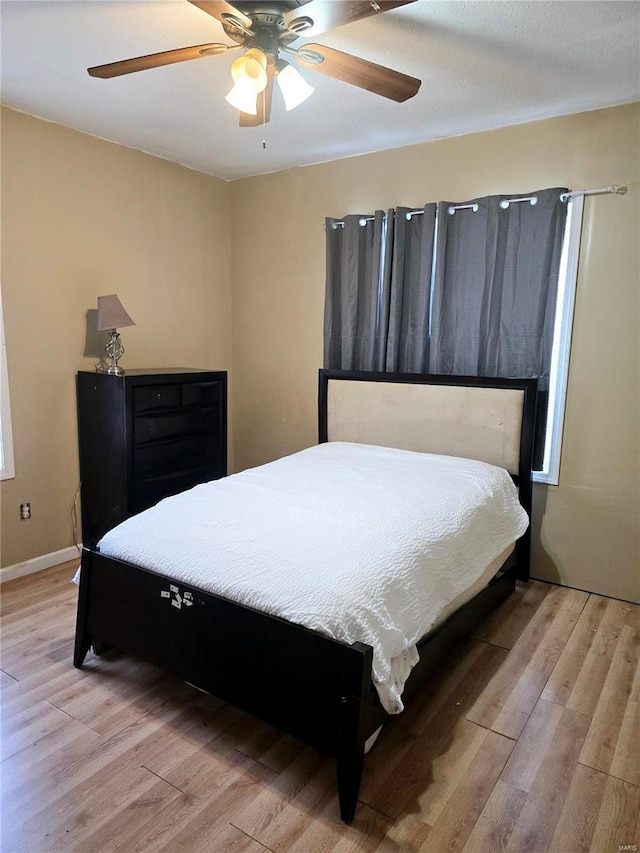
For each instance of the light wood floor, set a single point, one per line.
(528, 741)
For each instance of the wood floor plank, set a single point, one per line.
(456, 821)
(115, 702)
(591, 625)
(194, 735)
(70, 818)
(545, 779)
(20, 593)
(57, 602)
(6, 680)
(34, 688)
(60, 804)
(159, 829)
(280, 752)
(131, 816)
(578, 677)
(497, 820)
(617, 824)
(20, 643)
(197, 817)
(83, 767)
(264, 810)
(402, 758)
(39, 721)
(504, 626)
(42, 659)
(269, 746)
(311, 821)
(509, 699)
(449, 768)
(625, 764)
(208, 769)
(406, 835)
(27, 775)
(227, 838)
(21, 695)
(530, 752)
(328, 834)
(285, 828)
(399, 734)
(614, 728)
(577, 822)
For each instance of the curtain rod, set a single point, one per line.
(614, 189)
(532, 199)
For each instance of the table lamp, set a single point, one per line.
(111, 317)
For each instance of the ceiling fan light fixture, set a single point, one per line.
(244, 96)
(251, 66)
(267, 30)
(293, 86)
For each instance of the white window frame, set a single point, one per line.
(7, 467)
(563, 327)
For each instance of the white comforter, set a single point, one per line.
(358, 542)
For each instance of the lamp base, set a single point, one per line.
(114, 351)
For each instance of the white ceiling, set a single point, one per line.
(482, 64)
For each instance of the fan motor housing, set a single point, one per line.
(266, 18)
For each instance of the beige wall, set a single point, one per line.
(586, 530)
(83, 217)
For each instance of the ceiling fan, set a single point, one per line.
(265, 29)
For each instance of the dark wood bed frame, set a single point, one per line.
(238, 653)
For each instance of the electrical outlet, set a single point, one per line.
(25, 511)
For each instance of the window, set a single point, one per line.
(559, 373)
(7, 470)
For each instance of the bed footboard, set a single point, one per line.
(302, 682)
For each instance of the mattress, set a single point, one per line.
(361, 543)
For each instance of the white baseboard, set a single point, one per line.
(38, 564)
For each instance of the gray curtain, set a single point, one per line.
(411, 267)
(356, 313)
(495, 289)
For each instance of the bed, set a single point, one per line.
(298, 678)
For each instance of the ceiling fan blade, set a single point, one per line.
(318, 16)
(359, 72)
(264, 102)
(222, 10)
(155, 60)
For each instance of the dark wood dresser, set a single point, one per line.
(144, 436)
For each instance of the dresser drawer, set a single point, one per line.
(161, 458)
(148, 397)
(184, 423)
(149, 492)
(201, 394)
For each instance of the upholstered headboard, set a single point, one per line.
(491, 420)
(480, 423)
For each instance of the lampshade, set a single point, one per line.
(243, 97)
(249, 74)
(252, 65)
(111, 314)
(293, 86)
